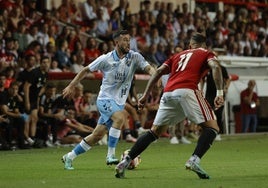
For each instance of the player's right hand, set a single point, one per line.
(218, 101)
(68, 92)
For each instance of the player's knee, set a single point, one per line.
(211, 124)
(118, 120)
(215, 127)
(158, 130)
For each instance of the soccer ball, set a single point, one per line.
(134, 163)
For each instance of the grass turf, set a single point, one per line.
(237, 161)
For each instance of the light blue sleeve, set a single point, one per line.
(98, 64)
(142, 63)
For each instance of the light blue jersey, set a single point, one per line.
(117, 74)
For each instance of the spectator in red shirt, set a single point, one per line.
(72, 39)
(70, 131)
(249, 104)
(29, 4)
(15, 16)
(31, 18)
(141, 39)
(144, 20)
(10, 76)
(7, 4)
(47, 18)
(91, 50)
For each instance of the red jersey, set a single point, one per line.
(64, 129)
(187, 68)
(91, 55)
(246, 108)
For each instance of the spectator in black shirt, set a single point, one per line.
(4, 145)
(3, 118)
(33, 88)
(29, 64)
(10, 103)
(47, 119)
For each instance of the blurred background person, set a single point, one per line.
(249, 103)
(210, 95)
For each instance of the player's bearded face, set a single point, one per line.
(124, 44)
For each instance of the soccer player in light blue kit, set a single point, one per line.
(118, 68)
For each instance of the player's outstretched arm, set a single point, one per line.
(152, 81)
(69, 90)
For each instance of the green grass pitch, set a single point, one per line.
(237, 161)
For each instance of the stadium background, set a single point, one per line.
(244, 67)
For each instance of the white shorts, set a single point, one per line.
(179, 104)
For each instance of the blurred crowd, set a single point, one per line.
(73, 34)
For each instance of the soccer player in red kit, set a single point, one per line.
(181, 99)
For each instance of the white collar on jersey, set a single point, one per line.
(116, 58)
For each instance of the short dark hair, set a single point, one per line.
(147, 2)
(120, 32)
(199, 38)
(14, 83)
(44, 57)
(50, 85)
(28, 56)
